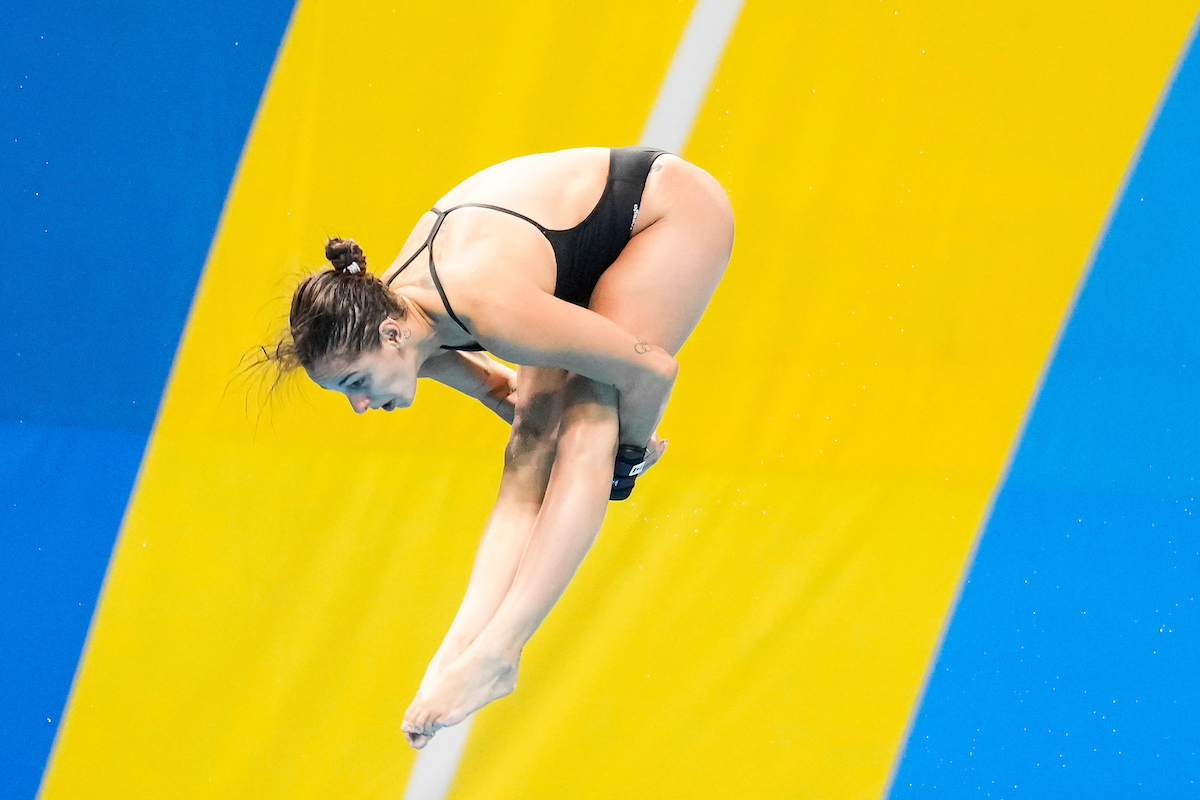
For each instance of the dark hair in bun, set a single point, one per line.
(344, 252)
(335, 313)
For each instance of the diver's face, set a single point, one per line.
(382, 378)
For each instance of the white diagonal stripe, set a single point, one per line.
(691, 71)
(437, 763)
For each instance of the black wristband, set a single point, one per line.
(629, 464)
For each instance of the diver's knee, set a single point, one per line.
(589, 426)
(535, 427)
(535, 418)
(582, 392)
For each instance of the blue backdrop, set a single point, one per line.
(1069, 669)
(122, 124)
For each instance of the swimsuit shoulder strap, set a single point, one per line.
(441, 215)
(437, 282)
(501, 209)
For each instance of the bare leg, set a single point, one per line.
(527, 462)
(658, 288)
(566, 526)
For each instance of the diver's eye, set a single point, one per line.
(358, 384)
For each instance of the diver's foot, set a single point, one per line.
(437, 665)
(433, 673)
(467, 685)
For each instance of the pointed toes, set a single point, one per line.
(417, 740)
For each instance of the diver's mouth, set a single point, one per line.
(390, 405)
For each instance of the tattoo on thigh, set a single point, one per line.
(643, 347)
(656, 166)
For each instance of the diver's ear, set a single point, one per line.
(390, 332)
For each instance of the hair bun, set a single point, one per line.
(344, 252)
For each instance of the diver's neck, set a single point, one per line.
(430, 325)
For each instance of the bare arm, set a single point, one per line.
(520, 322)
(476, 375)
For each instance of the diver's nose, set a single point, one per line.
(360, 403)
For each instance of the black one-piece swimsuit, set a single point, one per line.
(582, 253)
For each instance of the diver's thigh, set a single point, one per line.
(664, 278)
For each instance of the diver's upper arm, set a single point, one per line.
(520, 322)
(528, 326)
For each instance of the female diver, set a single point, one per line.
(592, 299)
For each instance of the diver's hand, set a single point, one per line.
(632, 462)
(654, 450)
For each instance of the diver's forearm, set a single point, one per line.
(504, 407)
(644, 399)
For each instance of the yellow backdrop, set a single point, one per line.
(917, 187)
